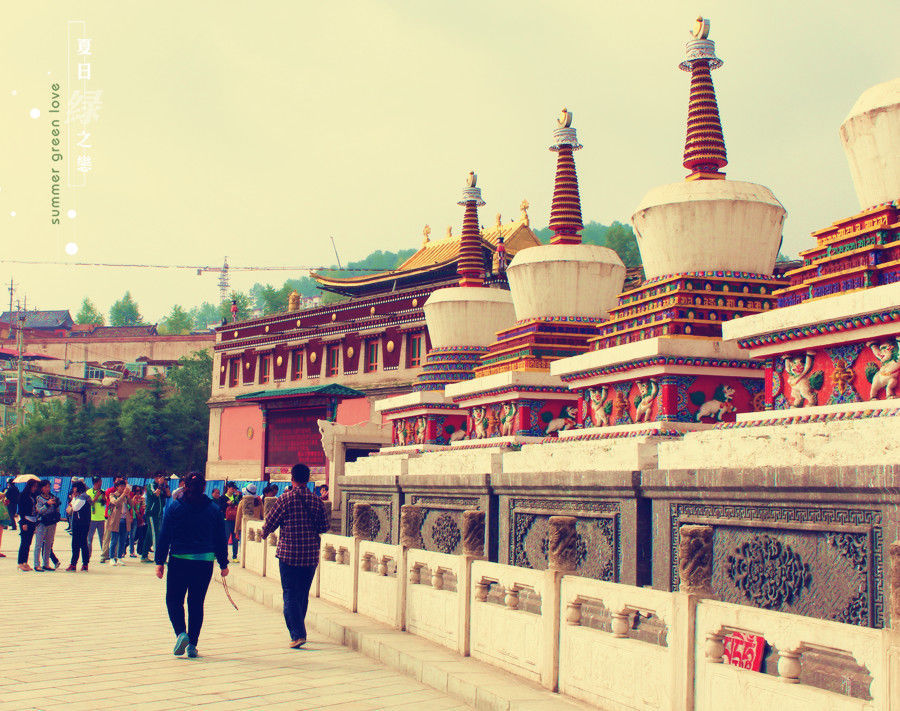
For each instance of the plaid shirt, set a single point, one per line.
(302, 517)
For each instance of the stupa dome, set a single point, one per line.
(871, 138)
(465, 317)
(708, 225)
(565, 280)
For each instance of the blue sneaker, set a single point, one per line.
(192, 651)
(181, 642)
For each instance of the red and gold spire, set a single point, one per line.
(565, 211)
(471, 261)
(704, 146)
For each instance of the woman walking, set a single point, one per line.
(118, 521)
(192, 538)
(46, 508)
(79, 510)
(27, 523)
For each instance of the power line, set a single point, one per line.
(194, 267)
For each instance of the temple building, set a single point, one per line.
(298, 386)
(719, 393)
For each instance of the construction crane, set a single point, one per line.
(224, 287)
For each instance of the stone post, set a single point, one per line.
(561, 553)
(411, 526)
(561, 561)
(695, 553)
(364, 518)
(894, 551)
(473, 533)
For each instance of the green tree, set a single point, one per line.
(125, 312)
(89, 313)
(178, 321)
(206, 315)
(270, 300)
(187, 413)
(618, 237)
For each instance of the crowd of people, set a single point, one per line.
(125, 519)
(185, 529)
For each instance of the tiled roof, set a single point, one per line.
(116, 332)
(440, 252)
(39, 319)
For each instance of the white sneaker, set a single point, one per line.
(115, 562)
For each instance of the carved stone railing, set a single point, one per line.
(615, 645)
(521, 638)
(339, 570)
(792, 636)
(254, 556)
(612, 645)
(437, 597)
(379, 592)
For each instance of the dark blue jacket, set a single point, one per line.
(192, 528)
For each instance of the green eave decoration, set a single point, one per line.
(332, 390)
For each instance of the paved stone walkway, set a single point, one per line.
(102, 640)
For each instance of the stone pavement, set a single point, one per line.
(102, 640)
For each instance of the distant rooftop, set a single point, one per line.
(50, 320)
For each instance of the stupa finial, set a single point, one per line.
(565, 211)
(471, 262)
(704, 145)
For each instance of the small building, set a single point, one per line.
(283, 384)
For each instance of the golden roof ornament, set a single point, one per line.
(471, 191)
(426, 233)
(449, 232)
(523, 206)
(564, 134)
(700, 30)
(499, 220)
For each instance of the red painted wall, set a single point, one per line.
(352, 412)
(234, 442)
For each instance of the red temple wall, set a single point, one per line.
(239, 433)
(353, 411)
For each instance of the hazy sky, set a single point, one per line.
(258, 130)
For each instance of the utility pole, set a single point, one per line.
(11, 289)
(21, 321)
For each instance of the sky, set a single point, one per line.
(259, 131)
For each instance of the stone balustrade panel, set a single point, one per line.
(253, 547)
(522, 641)
(436, 613)
(338, 570)
(273, 570)
(615, 669)
(718, 684)
(380, 582)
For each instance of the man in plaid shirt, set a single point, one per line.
(302, 516)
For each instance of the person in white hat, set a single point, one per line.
(250, 506)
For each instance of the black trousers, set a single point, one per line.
(80, 544)
(295, 584)
(191, 577)
(26, 533)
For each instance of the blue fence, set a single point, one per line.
(62, 486)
